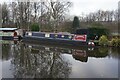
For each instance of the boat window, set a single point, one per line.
(47, 35)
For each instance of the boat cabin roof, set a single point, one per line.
(8, 29)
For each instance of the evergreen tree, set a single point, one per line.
(75, 24)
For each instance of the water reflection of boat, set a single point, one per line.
(35, 49)
(8, 42)
(80, 55)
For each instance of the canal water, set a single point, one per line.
(26, 60)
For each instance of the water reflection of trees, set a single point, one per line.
(32, 61)
(80, 55)
(47, 62)
(6, 54)
(39, 63)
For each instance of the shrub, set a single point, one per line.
(109, 43)
(103, 40)
(118, 42)
(35, 27)
(115, 42)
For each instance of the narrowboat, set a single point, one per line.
(9, 34)
(60, 38)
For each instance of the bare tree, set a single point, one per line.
(5, 14)
(23, 14)
(36, 7)
(116, 15)
(57, 11)
(101, 15)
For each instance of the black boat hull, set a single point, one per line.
(43, 40)
(6, 38)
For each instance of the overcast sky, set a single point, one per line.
(87, 6)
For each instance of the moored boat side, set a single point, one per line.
(10, 34)
(56, 38)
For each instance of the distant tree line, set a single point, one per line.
(48, 14)
(51, 16)
(104, 19)
(100, 18)
(100, 15)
